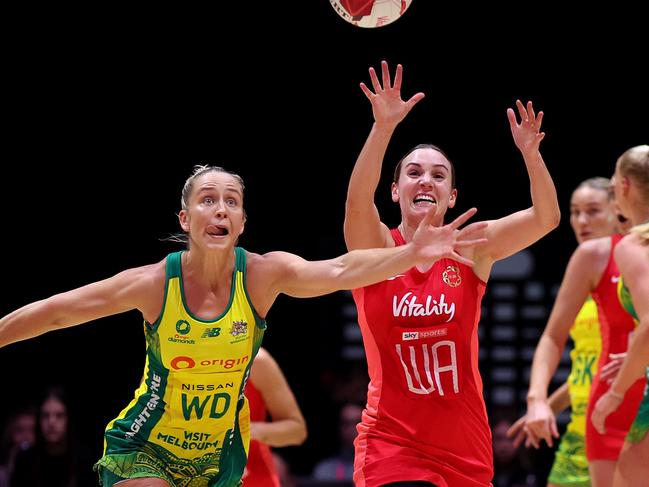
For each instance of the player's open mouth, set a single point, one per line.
(424, 200)
(217, 231)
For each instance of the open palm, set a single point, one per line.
(527, 135)
(387, 105)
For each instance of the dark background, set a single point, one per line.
(106, 112)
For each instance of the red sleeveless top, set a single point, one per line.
(260, 470)
(616, 328)
(425, 417)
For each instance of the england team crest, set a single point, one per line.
(451, 276)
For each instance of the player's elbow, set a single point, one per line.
(549, 219)
(300, 433)
(555, 218)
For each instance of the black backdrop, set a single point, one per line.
(107, 111)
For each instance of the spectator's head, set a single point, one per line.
(504, 451)
(53, 416)
(283, 471)
(19, 432)
(505, 454)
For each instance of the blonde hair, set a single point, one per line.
(642, 231)
(634, 164)
(198, 171)
(600, 183)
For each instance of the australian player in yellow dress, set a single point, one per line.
(204, 310)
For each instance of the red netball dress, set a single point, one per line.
(260, 469)
(425, 417)
(616, 327)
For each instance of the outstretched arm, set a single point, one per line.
(122, 292)
(363, 227)
(632, 258)
(281, 272)
(287, 425)
(517, 231)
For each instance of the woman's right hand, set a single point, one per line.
(541, 422)
(434, 242)
(387, 106)
(527, 134)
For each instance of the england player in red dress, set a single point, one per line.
(425, 422)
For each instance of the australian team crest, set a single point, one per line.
(238, 328)
(183, 327)
(451, 276)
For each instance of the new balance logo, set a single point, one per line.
(211, 333)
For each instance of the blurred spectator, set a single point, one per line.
(349, 384)
(284, 473)
(341, 465)
(512, 465)
(54, 460)
(18, 434)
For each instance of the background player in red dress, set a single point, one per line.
(268, 393)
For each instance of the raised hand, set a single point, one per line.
(527, 135)
(387, 105)
(434, 243)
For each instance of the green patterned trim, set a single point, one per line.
(172, 264)
(570, 467)
(154, 461)
(640, 425)
(140, 419)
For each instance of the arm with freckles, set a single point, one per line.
(290, 274)
(363, 227)
(518, 230)
(577, 283)
(632, 257)
(287, 425)
(130, 289)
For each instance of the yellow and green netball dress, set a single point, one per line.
(189, 420)
(570, 467)
(640, 425)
